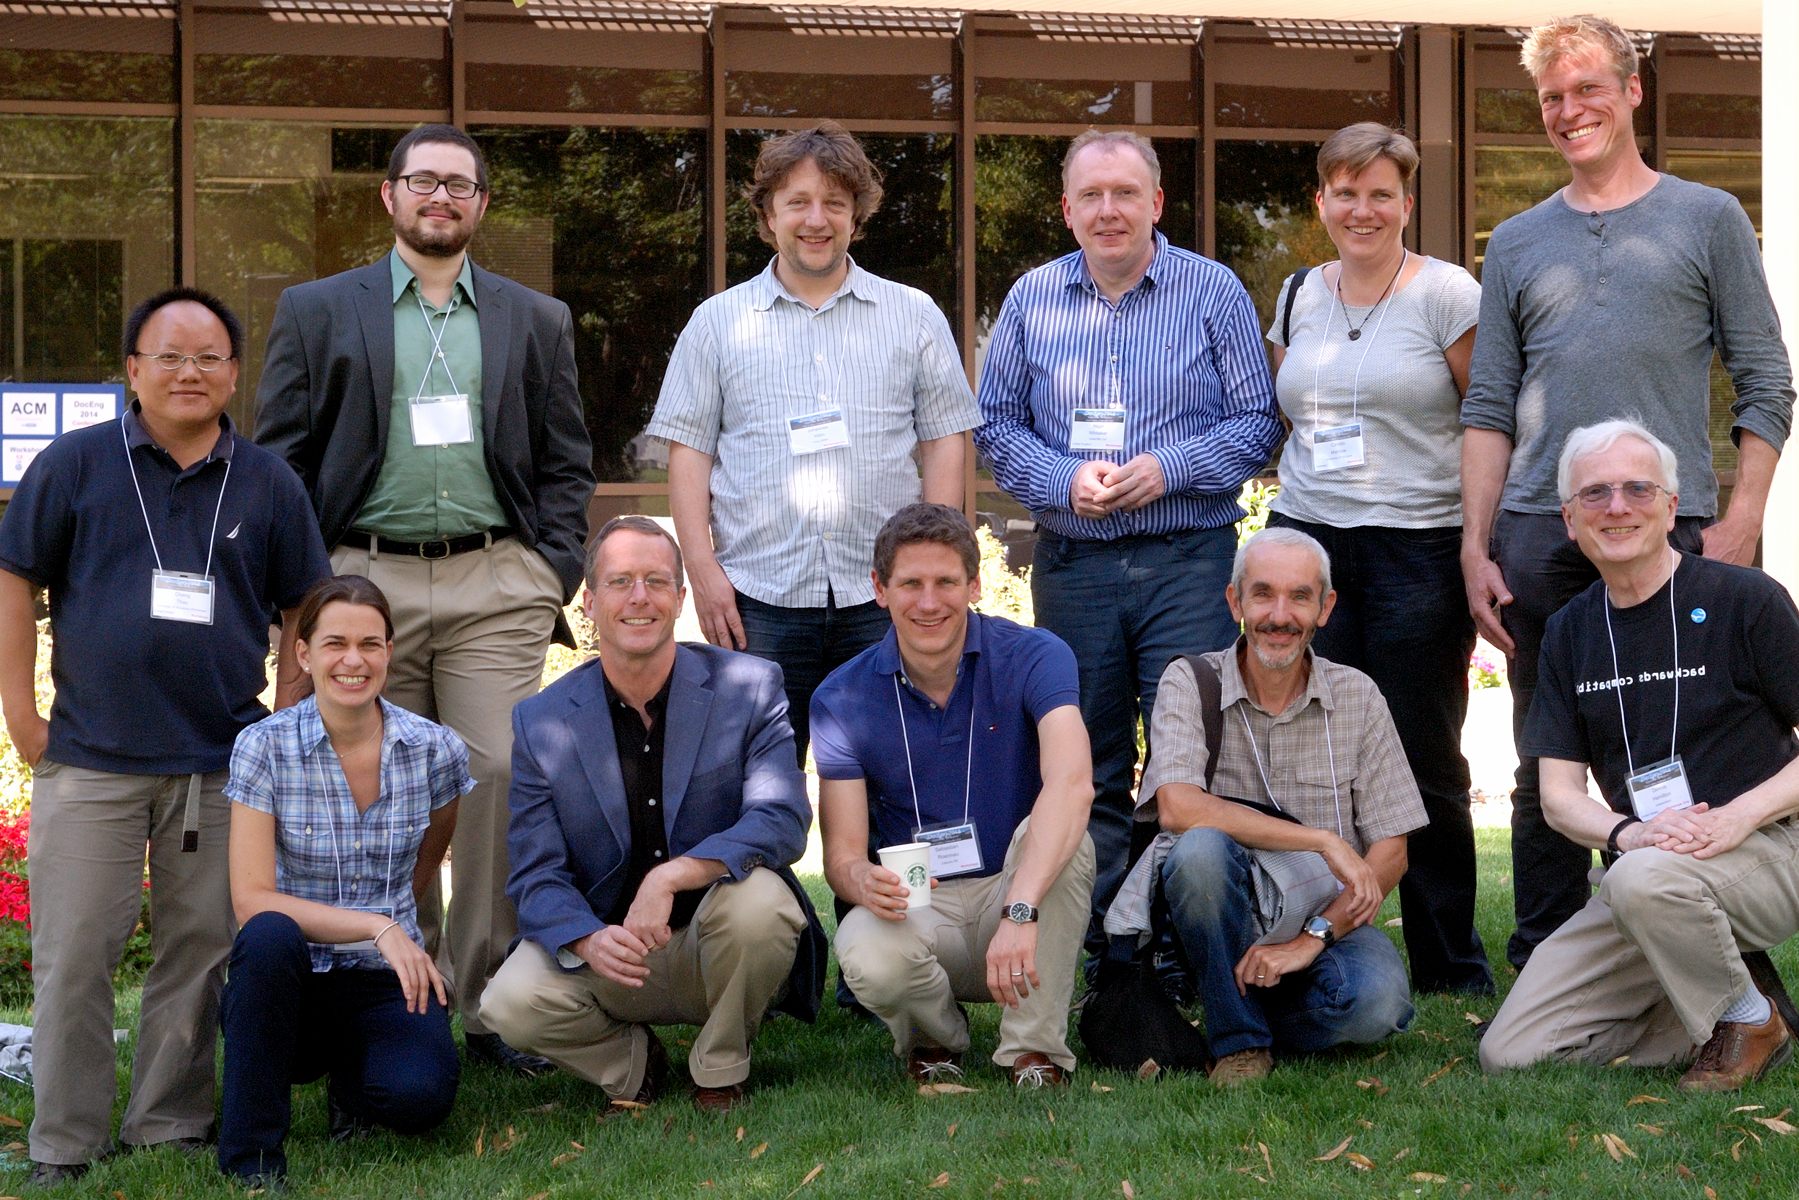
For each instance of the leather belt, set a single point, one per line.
(441, 548)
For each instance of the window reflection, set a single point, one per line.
(84, 58)
(1508, 180)
(1275, 77)
(1267, 221)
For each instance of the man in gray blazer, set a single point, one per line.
(431, 409)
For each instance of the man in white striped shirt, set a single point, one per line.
(793, 406)
(1126, 397)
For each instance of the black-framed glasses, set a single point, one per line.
(168, 360)
(427, 185)
(1636, 491)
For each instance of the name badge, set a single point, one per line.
(1338, 447)
(1097, 429)
(442, 420)
(366, 945)
(819, 431)
(1658, 788)
(955, 850)
(181, 596)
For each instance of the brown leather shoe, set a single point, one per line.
(719, 1099)
(1737, 1054)
(1033, 1069)
(655, 1074)
(933, 1064)
(1242, 1067)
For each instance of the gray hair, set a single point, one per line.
(1591, 439)
(1282, 535)
(1110, 140)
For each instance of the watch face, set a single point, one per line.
(1319, 927)
(1021, 912)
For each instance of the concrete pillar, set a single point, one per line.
(1780, 247)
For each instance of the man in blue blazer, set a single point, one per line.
(656, 808)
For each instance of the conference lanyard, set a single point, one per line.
(955, 849)
(177, 595)
(1662, 785)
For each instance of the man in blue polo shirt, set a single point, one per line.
(166, 541)
(897, 733)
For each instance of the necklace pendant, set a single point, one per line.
(1354, 334)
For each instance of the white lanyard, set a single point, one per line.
(1674, 625)
(1330, 751)
(437, 339)
(1330, 312)
(968, 772)
(141, 507)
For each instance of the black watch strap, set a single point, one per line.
(1611, 841)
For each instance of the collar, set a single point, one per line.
(1232, 689)
(403, 277)
(394, 726)
(657, 705)
(767, 288)
(136, 435)
(887, 659)
(1079, 276)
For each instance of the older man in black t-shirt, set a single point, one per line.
(1676, 680)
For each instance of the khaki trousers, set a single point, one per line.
(1646, 968)
(86, 856)
(911, 973)
(470, 634)
(721, 973)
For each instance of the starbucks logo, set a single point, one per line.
(917, 876)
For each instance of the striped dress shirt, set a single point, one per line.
(797, 529)
(1181, 353)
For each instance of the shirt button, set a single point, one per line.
(1602, 279)
(652, 802)
(821, 358)
(358, 845)
(827, 537)
(658, 854)
(446, 495)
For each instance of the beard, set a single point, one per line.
(432, 239)
(1279, 662)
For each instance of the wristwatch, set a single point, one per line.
(1320, 928)
(1020, 913)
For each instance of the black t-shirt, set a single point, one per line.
(640, 767)
(1738, 636)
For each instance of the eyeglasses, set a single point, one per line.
(1636, 491)
(171, 361)
(622, 585)
(427, 185)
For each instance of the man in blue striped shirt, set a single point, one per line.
(1126, 397)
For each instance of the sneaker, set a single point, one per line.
(1242, 1067)
(1033, 1069)
(933, 1064)
(1737, 1054)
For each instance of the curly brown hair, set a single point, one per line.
(839, 157)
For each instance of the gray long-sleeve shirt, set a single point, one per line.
(1587, 317)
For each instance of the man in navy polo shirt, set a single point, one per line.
(897, 733)
(166, 541)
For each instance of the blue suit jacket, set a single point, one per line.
(731, 792)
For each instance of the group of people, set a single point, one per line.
(1532, 462)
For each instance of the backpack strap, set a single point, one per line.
(1211, 709)
(1298, 277)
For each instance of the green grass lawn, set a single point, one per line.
(831, 1116)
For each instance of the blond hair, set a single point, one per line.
(1569, 37)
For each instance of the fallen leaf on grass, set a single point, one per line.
(1747, 1108)
(1100, 1087)
(1379, 1056)
(1474, 1018)
(1334, 1151)
(1710, 1195)
(533, 1196)
(814, 1173)
(740, 1133)
(759, 1151)
(1067, 1164)
(1393, 922)
(1682, 1170)
(1404, 1151)
(1776, 1123)
(562, 1160)
(1364, 1122)
(1372, 1084)
(10, 1121)
(1614, 1146)
(1652, 1130)
(1736, 1150)
(944, 1089)
(14, 1147)
(1266, 1161)
(1441, 1071)
(705, 1183)
(952, 1130)
(1360, 1162)
(1049, 1112)
(501, 1145)
(941, 1181)
(1645, 1098)
(481, 1141)
(1130, 1193)
(1149, 1070)
(626, 1105)
(1427, 1177)
(1623, 1060)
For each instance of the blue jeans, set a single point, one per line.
(1128, 608)
(1544, 570)
(1402, 619)
(286, 1024)
(808, 644)
(1354, 992)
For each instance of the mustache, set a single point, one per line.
(1271, 627)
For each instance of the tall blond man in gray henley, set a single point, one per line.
(1606, 300)
(793, 407)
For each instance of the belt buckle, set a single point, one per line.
(441, 547)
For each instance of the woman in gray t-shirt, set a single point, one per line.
(1371, 355)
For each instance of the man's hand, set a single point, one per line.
(647, 918)
(1359, 881)
(715, 603)
(1487, 594)
(1264, 966)
(418, 974)
(1087, 490)
(1731, 541)
(880, 891)
(1012, 962)
(615, 953)
(1134, 484)
(30, 735)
